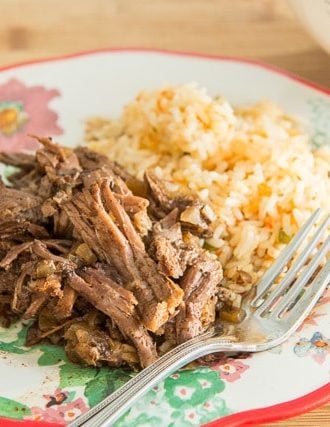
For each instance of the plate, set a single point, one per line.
(54, 97)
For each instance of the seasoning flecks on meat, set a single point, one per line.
(13, 253)
(63, 308)
(108, 230)
(194, 215)
(200, 284)
(94, 347)
(19, 206)
(173, 249)
(20, 160)
(119, 304)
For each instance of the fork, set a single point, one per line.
(272, 314)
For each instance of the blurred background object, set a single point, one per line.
(315, 15)
(266, 30)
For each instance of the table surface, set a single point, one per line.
(264, 30)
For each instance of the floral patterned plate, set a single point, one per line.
(54, 97)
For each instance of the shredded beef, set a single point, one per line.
(171, 247)
(20, 160)
(194, 215)
(199, 283)
(95, 347)
(110, 266)
(119, 304)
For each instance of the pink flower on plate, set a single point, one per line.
(49, 415)
(230, 369)
(24, 110)
(191, 415)
(66, 412)
(73, 409)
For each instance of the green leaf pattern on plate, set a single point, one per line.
(12, 409)
(52, 355)
(104, 383)
(186, 398)
(17, 335)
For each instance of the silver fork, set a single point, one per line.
(272, 315)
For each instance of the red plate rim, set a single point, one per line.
(253, 417)
(191, 54)
(278, 412)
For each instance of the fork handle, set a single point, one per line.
(110, 409)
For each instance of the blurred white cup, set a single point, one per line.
(315, 16)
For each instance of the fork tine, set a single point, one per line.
(310, 298)
(291, 274)
(267, 279)
(306, 274)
